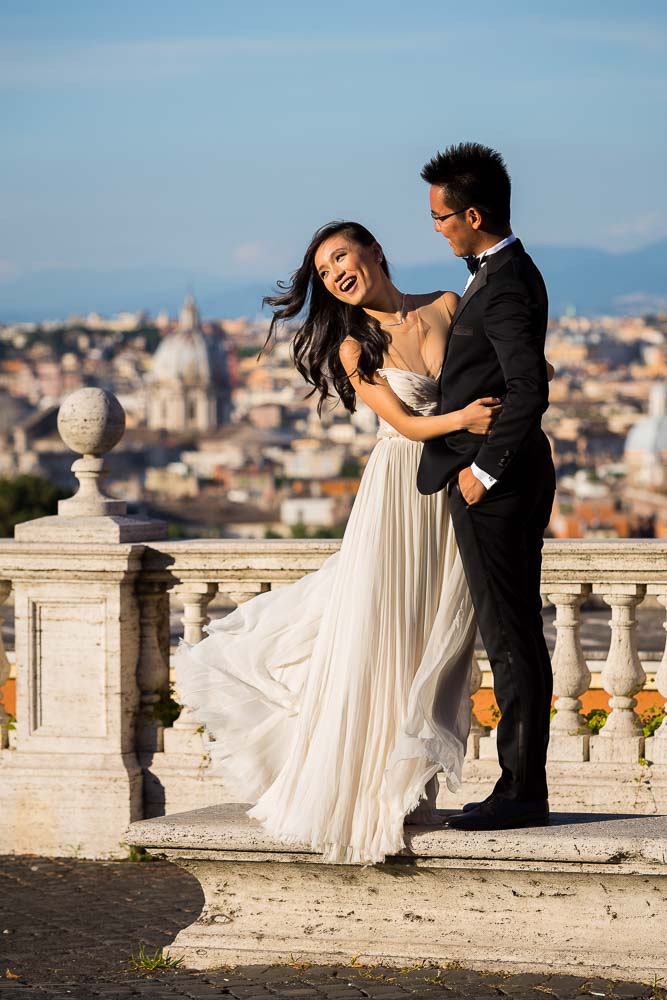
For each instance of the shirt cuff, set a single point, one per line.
(484, 478)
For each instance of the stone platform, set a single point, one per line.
(585, 896)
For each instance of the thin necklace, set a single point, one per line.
(402, 316)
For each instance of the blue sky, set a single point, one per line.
(215, 136)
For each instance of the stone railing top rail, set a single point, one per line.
(590, 561)
(266, 560)
(597, 562)
(571, 839)
(19, 559)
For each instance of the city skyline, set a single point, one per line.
(212, 139)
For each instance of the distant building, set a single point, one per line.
(646, 445)
(188, 388)
(313, 512)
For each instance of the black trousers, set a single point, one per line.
(500, 540)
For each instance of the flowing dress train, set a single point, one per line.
(335, 699)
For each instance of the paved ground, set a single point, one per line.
(69, 929)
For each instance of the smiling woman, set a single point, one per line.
(338, 251)
(344, 286)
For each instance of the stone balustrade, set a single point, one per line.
(93, 590)
(621, 573)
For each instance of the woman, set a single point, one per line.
(334, 701)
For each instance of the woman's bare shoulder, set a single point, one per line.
(450, 300)
(444, 302)
(421, 299)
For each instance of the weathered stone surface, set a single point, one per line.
(91, 421)
(72, 781)
(569, 839)
(89, 530)
(583, 896)
(67, 805)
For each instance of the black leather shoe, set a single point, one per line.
(469, 806)
(502, 814)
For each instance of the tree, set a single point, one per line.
(25, 498)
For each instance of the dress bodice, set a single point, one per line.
(420, 393)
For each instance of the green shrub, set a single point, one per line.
(652, 719)
(596, 719)
(167, 709)
(24, 499)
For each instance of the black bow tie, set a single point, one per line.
(474, 263)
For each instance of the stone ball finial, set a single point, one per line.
(91, 421)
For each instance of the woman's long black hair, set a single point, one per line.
(328, 322)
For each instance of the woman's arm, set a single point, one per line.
(551, 371)
(477, 417)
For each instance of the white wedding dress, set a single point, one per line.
(334, 700)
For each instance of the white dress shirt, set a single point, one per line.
(487, 253)
(484, 477)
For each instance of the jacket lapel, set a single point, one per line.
(492, 264)
(477, 282)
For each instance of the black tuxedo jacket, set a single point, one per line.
(495, 347)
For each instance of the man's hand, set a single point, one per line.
(472, 490)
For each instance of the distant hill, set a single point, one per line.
(590, 280)
(593, 281)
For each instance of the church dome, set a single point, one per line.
(650, 434)
(189, 356)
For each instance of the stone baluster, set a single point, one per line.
(570, 736)
(5, 590)
(477, 730)
(180, 778)
(656, 745)
(621, 738)
(240, 592)
(185, 735)
(152, 671)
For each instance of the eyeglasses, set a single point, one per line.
(443, 218)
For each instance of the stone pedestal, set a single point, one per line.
(581, 897)
(625, 750)
(73, 781)
(569, 747)
(656, 749)
(488, 746)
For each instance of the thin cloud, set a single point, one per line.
(647, 36)
(256, 257)
(249, 253)
(644, 225)
(37, 65)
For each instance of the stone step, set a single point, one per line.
(585, 896)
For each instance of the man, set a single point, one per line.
(501, 486)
